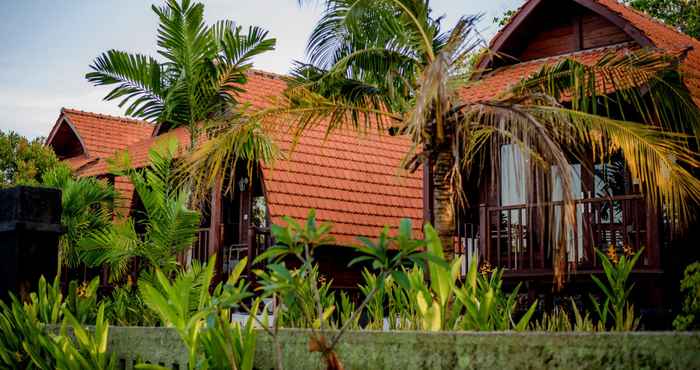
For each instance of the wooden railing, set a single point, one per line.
(228, 255)
(521, 238)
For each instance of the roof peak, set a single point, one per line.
(648, 17)
(105, 116)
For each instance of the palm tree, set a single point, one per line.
(202, 70)
(169, 227)
(86, 207)
(407, 74)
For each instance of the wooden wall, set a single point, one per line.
(559, 27)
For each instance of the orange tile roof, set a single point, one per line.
(138, 152)
(353, 182)
(103, 135)
(502, 79)
(77, 162)
(664, 37)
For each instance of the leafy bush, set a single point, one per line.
(20, 329)
(690, 285)
(125, 307)
(168, 225)
(560, 320)
(86, 207)
(77, 349)
(203, 320)
(24, 342)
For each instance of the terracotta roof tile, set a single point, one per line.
(664, 38)
(502, 79)
(103, 135)
(352, 181)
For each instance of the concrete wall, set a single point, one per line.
(450, 350)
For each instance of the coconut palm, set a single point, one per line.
(199, 72)
(408, 75)
(86, 207)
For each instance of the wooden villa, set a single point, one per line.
(355, 182)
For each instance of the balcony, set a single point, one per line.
(520, 239)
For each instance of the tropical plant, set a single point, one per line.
(202, 319)
(20, 330)
(168, 226)
(77, 349)
(87, 205)
(46, 304)
(23, 325)
(616, 291)
(23, 161)
(559, 320)
(486, 307)
(183, 303)
(409, 74)
(434, 299)
(196, 86)
(445, 301)
(125, 307)
(297, 242)
(81, 300)
(204, 68)
(689, 319)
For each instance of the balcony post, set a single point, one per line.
(252, 252)
(653, 235)
(483, 232)
(214, 242)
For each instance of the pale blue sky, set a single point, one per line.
(46, 46)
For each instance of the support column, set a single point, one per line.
(427, 192)
(215, 216)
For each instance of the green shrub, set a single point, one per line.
(125, 307)
(689, 319)
(77, 349)
(560, 320)
(20, 329)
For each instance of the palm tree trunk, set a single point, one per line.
(443, 205)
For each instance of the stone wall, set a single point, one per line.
(449, 350)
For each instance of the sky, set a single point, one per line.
(46, 46)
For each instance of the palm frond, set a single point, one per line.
(240, 139)
(139, 81)
(115, 247)
(646, 82)
(87, 205)
(658, 159)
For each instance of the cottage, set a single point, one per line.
(355, 182)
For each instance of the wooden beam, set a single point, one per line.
(427, 192)
(215, 218)
(578, 32)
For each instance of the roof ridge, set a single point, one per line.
(645, 15)
(105, 116)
